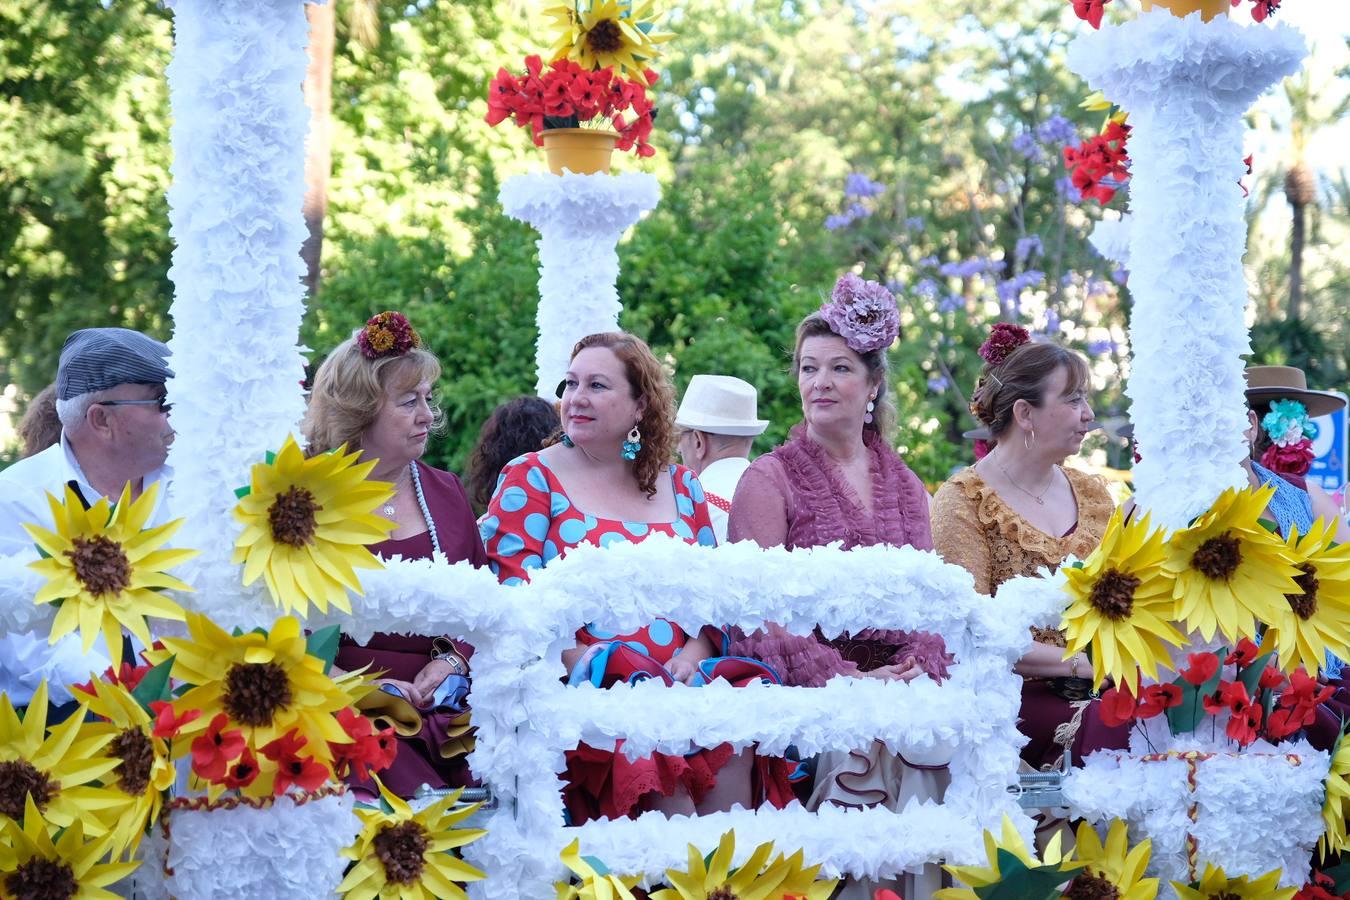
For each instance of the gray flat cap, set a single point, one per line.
(95, 359)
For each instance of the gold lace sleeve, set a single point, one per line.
(958, 536)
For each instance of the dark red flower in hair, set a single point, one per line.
(387, 334)
(1003, 339)
(1296, 459)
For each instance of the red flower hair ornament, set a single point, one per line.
(1003, 339)
(387, 334)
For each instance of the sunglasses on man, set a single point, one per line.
(157, 401)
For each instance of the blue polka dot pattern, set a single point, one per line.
(600, 633)
(493, 567)
(684, 505)
(550, 552)
(682, 529)
(612, 537)
(641, 648)
(591, 522)
(513, 581)
(487, 529)
(531, 562)
(637, 529)
(558, 504)
(536, 526)
(535, 478)
(510, 545)
(706, 537)
(572, 532)
(513, 499)
(687, 477)
(660, 632)
(696, 491)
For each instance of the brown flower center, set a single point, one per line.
(1304, 605)
(42, 879)
(100, 564)
(1226, 895)
(256, 692)
(1089, 886)
(723, 893)
(605, 36)
(19, 779)
(133, 747)
(1113, 594)
(1218, 558)
(399, 849)
(292, 517)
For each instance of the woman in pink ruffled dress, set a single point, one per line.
(838, 480)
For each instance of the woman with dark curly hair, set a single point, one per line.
(517, 426)
(610, 479)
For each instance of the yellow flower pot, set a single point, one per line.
(584, 151)
(1208, 9)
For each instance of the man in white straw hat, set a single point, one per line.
(718, 420)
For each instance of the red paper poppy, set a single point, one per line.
(1117, 707)
(1201, 669)
(242, 772)
(293, 769)
(1271, 679)
(1243, 727)
(167, 725)
(216, 749)
(1156, 698)
(1243, 655)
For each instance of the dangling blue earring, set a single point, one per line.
(633, 446)
(567, 441)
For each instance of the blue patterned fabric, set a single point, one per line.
(1292, 507)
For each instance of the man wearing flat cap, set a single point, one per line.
(717, 422)
(114, 431)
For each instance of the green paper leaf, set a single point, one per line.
(324, 645)
(1341, 875)
(270, 457)
(1250, 677)
(1021, 883)
(154, 686)
(242, 492)
(1268, 525)
(1185, 716)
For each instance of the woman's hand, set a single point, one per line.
(406, 688)
(431, 676)
(906, 670)
(683, 668)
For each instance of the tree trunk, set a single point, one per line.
(318, 149)
(1296, 240)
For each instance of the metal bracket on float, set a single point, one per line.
(1042, 790)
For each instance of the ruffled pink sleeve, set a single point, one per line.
(800, 660)
(759, 509)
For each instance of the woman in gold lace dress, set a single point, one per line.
(1018, 511)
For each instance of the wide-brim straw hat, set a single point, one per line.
(1266, 384)
(721, 404)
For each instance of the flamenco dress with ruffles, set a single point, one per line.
(529, 523)
(796, 497)
(435, 754)
(974, 528)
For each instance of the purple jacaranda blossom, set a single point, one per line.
(938, 383)
(1051, 321)
(1068, 279)
(1057, 130)
(857, 211)
(895, 285)
(1120, 276)
(834, 223)
(1096, 287)
(951, 303)
(1101, 348)
(1029, 245)
(968, 268)
(859, 185)
(914, 223)
(926, 287)
(1010, 290)
(1064, 187)
(929, 261)
(1025, 146)
(863, 313)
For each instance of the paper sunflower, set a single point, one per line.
(105, 568)
(596, 881)
(1113, 870)
(1336, 807)
(1315, 619)
(601, 33)
(1215, 885)
(757, 879)
(33, 866)
(1012, 866)
(1121, 603)
(306, 526)
(402, 855)
(268, 685)
(1230, 571)
(144, 770)
(53, 770)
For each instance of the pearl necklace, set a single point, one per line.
(389, 510)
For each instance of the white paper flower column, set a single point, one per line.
(239, 126)
(580, 219)
(1186, 85)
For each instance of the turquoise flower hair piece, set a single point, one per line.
(1288, 423)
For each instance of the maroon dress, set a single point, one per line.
(420, 758)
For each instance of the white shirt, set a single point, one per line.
(25, 659)
(720, 478)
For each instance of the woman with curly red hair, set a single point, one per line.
(610, 479)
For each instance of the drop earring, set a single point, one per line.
(633, 445)
(567, 441)
(871, 405)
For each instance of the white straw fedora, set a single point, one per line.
(720, 404)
